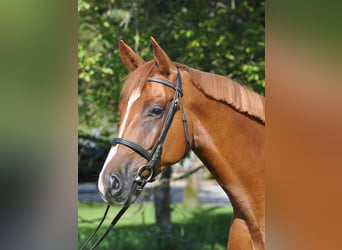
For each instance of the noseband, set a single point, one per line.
(153, 155)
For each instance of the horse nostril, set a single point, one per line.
(115, 182)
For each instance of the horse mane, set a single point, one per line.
(225, 90)
(213, 86)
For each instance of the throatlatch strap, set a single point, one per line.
(185, 127)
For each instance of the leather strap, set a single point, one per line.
(137, 148)
(164, 82)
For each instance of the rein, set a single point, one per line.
(112, 224)
(151, 156)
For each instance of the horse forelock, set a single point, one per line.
(225, 90)
(137, 79)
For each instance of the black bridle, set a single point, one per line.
(151, 156)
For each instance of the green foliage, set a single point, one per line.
(199, 228)
(223, 37)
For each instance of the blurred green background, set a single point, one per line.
(204, 227)
(223, 37)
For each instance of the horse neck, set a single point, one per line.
(223, 136)
(230, 144)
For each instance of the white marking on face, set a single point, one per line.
(132, 99)
(110, 156)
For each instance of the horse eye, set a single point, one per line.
(156, 111)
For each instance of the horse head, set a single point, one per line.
(153, 131)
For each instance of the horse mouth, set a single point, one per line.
(125, 197)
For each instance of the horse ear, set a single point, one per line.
(129, 57)
(162, 60)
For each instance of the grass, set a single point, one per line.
(199, 228)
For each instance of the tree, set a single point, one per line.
(162, 201)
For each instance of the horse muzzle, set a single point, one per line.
(116, 189)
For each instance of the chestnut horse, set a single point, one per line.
(166, 109)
